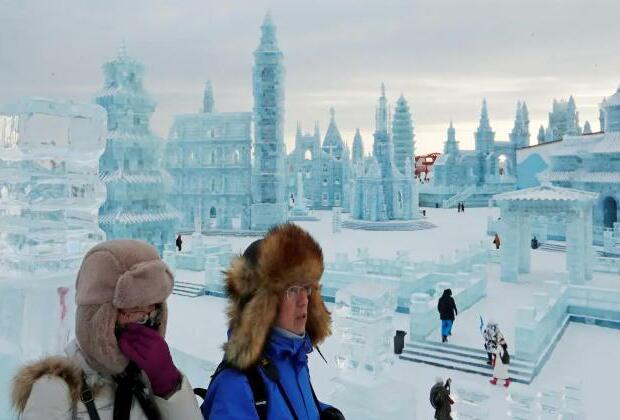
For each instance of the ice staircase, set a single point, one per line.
(183, 288)
(464, 359)
(458, 197)
(552, 247)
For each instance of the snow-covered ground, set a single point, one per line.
(198, 325)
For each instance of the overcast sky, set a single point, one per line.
(443, 55)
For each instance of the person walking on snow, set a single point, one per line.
(447, 313)
(496, 241)
(179, 242)
(276, 315)
(119, 365)
(492, 335)
(440, 399)
(501, 360)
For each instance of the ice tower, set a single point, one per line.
(130, 167)
(268, 184)
(49, 197)
(402, 134)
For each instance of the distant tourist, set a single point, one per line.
(436, 205)
(501, 360)
(463, 207)
(440, 399)
(534, 242)
(496, 241)
(179, 242)
(447, 313)
(492, 335)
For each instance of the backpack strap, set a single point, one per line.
(87, 398)
(257, 385)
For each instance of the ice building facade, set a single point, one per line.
(563, 121)
(131, 166)
(474, 176)
(269, 206)
(592, 163)
(50, 194)
(381, 191)
(325, 168)
(208, 155)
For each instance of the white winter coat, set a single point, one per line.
(500, 371)
(50, 396)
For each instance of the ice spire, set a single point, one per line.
(268, 41)
(451, 145)
(333, 144)
(298, 132)
(381, 115)
(122, 50)
(208, 102)
(541, 134)
(358, 147)
(586, 128)
(484, 116)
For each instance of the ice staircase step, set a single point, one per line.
(553, 247)
(467, 352)
(465, 359)
(188, 289)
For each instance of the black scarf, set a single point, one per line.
(130, 385)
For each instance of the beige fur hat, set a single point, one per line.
(114, 275)
(256, 281)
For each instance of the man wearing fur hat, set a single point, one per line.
(276, 316)
(119, 366)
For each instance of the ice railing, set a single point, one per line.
(540, 325)
(417, 285)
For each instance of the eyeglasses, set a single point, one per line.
(294, 292)
(139, 316)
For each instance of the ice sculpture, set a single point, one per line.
(382, 191)
(49, 197)
(268, 190)
(136, 205)
(363, 327)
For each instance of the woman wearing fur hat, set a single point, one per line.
(276, 317)
(119, 366)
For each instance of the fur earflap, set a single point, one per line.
(286, 256)
(61, 367)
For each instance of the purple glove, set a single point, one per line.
(148, 350)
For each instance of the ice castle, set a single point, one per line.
(269, 206)
(381, 191)
(130, 167)
(563, 121)
(592, 163)
(474, 176)
(325, 168)
(209, 158)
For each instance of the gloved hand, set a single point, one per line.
(148, 350)
(332, 413)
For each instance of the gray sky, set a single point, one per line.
(443, 55)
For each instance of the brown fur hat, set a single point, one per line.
(256, 281)
(114, 275)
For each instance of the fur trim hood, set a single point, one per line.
(58, 366)
(255, 282)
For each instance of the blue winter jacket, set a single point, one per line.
(230, 397)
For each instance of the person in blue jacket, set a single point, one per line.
(276, 316)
